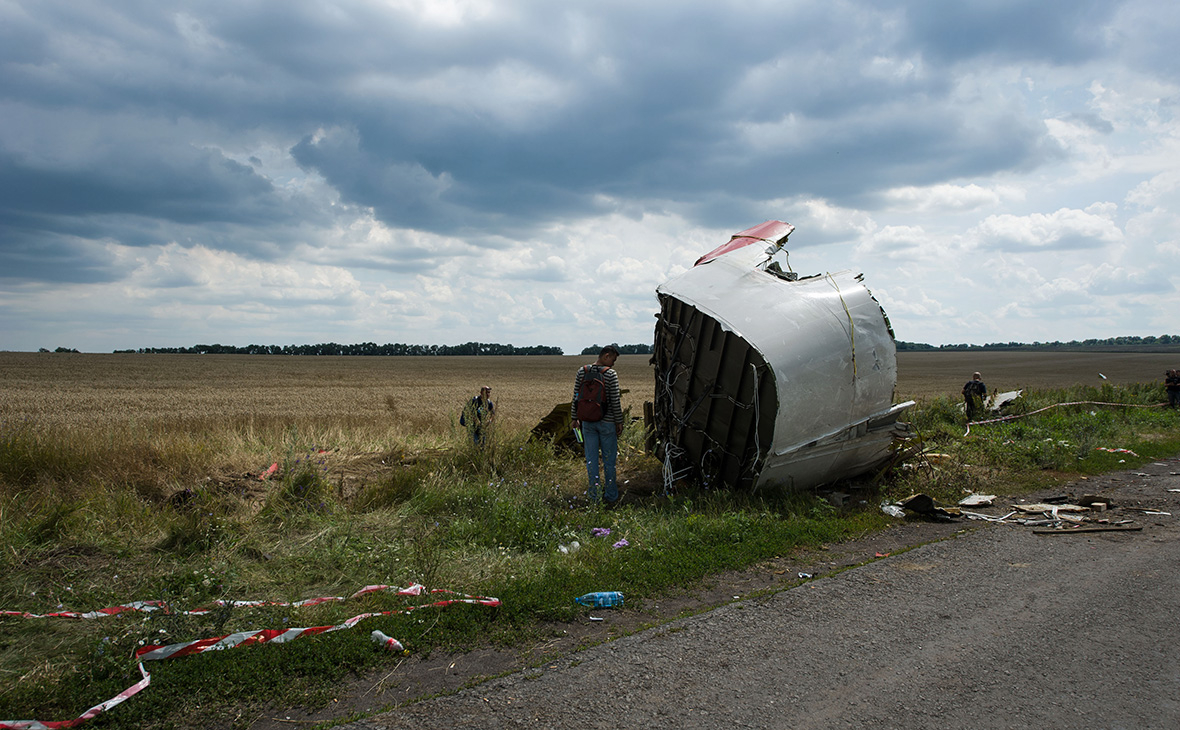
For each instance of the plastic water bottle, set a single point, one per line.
(601, 599)
(386, 642)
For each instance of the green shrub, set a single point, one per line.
(302, 488)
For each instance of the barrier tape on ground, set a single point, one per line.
(143, 606)
(149, 606)
(154, 652)
(1056, 405)
(88, 715)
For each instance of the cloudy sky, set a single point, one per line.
(528, 171)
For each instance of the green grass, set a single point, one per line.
(80, 530)
(1043, 443)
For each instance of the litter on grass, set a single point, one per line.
(977, 500)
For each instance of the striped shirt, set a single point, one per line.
(613, 407)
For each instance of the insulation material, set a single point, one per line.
(764, 377)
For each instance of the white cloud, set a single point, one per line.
(947, 197)
(904, 243)
(1063, 229)
(444, 12)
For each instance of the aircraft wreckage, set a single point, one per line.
(766, 378)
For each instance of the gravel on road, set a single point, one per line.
(990, 625)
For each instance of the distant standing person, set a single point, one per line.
(974, 391)
(598, 411)
(1172, 385)
(478, 415)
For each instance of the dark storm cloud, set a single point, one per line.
(33, 255)
(187, 186)
(1058, 31)
(665, 126)
(499, 125)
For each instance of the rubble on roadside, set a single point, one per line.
(1087, 513)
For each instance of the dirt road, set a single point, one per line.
(994, 626)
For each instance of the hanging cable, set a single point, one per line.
(1056, 405)
(851, 325)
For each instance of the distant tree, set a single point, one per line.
(623, 349)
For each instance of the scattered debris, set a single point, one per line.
(997, 401)
(1048, 507)
(977, 500)
(1077, 530)
(988, 518)
(924, 505)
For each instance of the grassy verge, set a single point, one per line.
(86, 524)
(1049, 436)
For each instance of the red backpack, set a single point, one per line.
(591, 405)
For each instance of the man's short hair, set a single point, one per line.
(609, 350)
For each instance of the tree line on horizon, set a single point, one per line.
(1130, 342)
(373, 349)
(362, 349)
(623, 349)
(1127, 342)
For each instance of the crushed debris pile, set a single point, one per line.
(1061, 513)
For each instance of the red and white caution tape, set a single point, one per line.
(148, 606)
(145, 606)
(243, 638)
(155, 652)
(1115, 451)
(88, 715)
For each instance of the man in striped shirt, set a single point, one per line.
(601, 434)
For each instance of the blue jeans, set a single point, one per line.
(601, 436)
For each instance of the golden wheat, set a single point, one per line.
(92, 392)
(923, 375)
(177, 391)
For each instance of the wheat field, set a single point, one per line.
(100, 392)
(923, 375)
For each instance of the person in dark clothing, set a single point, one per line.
(1172, 385)
(974, 391)
(478, 415)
